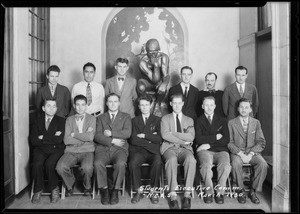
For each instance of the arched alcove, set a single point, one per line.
(126, 30)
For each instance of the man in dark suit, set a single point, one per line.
(178, 133)
(113, 129)
(53, 90)
(246, 144)
(189, 92)
(124, 86)
(46, 137)
(210, 90)
(144, 147)
(240, 89)
(212, 137)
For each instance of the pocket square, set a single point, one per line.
(253, 132)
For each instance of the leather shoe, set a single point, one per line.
(136, 198)
(104, 196)
(186, 203)
(36, 197)
(174, 204)
(55, 195)
(241, 197)
(87, 192)
(70, 192)
(154, 198)
(114, 197)
(208, 199)
(253, 197)
(219, 199)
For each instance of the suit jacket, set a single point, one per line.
(81, 142)
(171, 137)
(62, 96)
(190, 105)
(231, 97)
(49, 141)
(120, 128)
(252, 141)
(206, 133)
(127, 93)
(152, 141)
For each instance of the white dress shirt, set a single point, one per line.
(79, 124)
(120, 82)
(98, 95)
(183, 87)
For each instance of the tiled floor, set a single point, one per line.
(83, 202)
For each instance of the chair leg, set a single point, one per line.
(31, 192)
(229, 185)
(123, 188)
(63, 191)
(94, 186)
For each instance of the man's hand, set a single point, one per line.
(142, 135)
(72, 134)
(203, 147)
(90, 129)
(219, 136)
(118, 142)
(107, 133)
(41, 137)
(154, 133)
(244, 157)
(188, 143)
(249, 157)
(58, 133)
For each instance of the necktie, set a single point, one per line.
(112, 117)
(209, 119)
(89, 94)
(185, 93)
(245, 125)
(121, 78)
(178, 124)
(79, 117)
(146, 120)
(48, 123)
(241, 91)
(52, 90)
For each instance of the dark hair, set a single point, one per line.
(209, 98)
(244, 100)
(89, 64)
(176, 96)
(145, 97)
(110, 95)
(211, 73)
(240, 67)
(48, 99)
(53, 68)
(122, 60)
(186, 67)
(80, 97)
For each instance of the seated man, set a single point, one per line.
(246, 143)
(178, 133)
(113, 130)
(79, 135)
(46, 137)
(212, 137)
(144, 147)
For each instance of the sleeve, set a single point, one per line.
(225, 134)
(87, 136)
(136, 141)
(39, 100)
(68, 102)
(73, 93)
(167, 134)
(155, 138)
(107, 90)
(189, 133)
(134, 94)
(34, 134)
(255, 101)
(225, 101)
(100, 138)
(53, 139)
(231, 146)
(126, 130)
(260, 141)
(68, 139)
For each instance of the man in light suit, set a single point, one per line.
(178, 133)
(240, 89)
(144, 147)
(113, 130)
(53, 90)
(189, 92)
(124, 86)
(79, 134)
(246, 144)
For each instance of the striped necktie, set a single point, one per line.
(89, 94)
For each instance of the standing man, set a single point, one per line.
(178, 133)
(93, 91)
(124, 86)
(189, 92)
(46, 137)
(210, 90)
(246, 144)
(240, 89)
(79, 135)
(144, 147)
(212, 138)
(53, 90)
(113, 130)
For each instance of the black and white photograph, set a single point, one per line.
(148, 108)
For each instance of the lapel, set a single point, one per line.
(106, 118)
(251, 126)
(240, 127)
(140, 123)
(172, 121)
(247, 90)
(85, 122)
(125, 84)
(149, 126)
(117, 119)
(236, 92)
(116, 86)
(43, 122)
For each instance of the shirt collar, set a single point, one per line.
(121, 76)
(211, 116)
(86, 83)
(238, 85)
(46, 117)
(246, 119)
(179, 115)
(54, 86)
(184, 85)
(115, 113)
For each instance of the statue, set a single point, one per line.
(154, 66)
